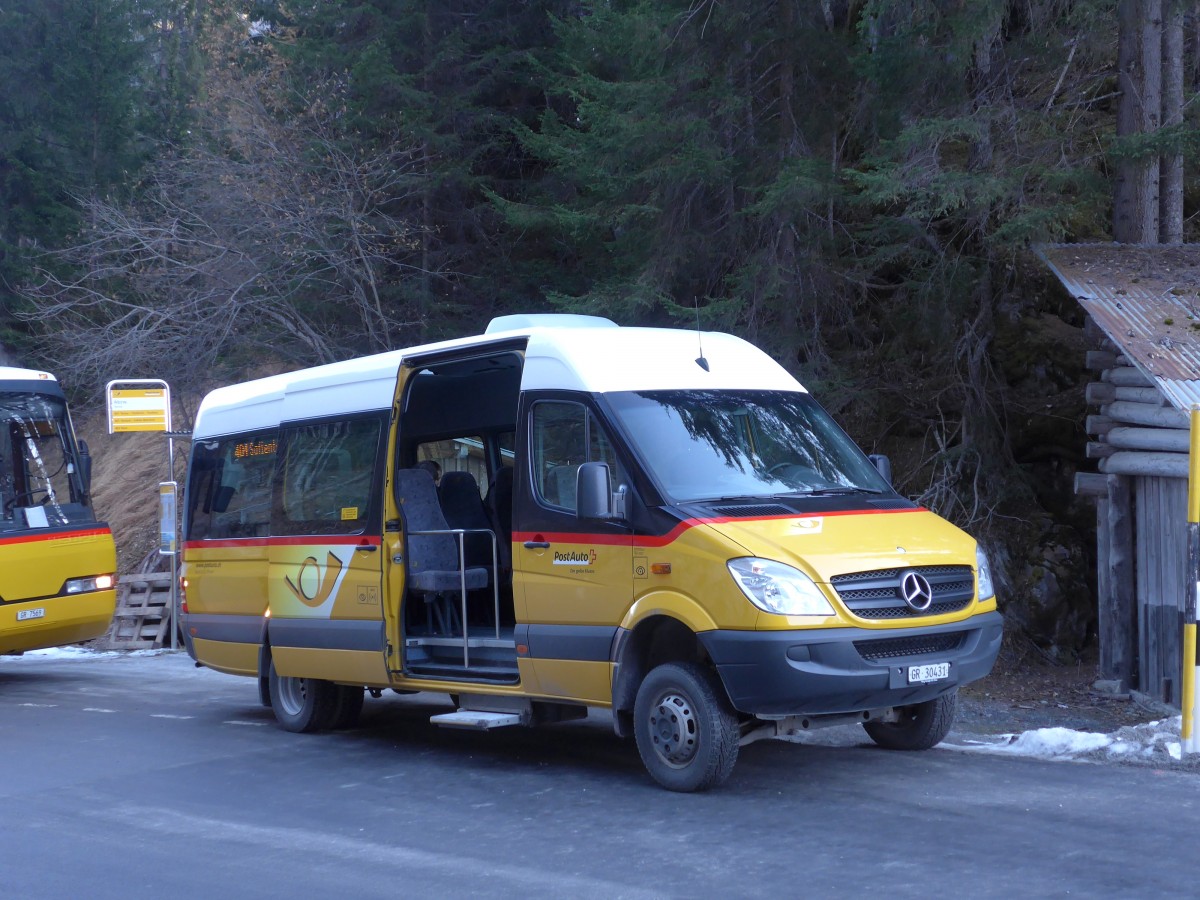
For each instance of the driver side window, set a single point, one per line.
(565, 435)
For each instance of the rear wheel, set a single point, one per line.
(348, 704)
(920, 726)
(686, 731)
(302, 704)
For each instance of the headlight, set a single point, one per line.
(86, 585)
(987, 590)
(776, 588)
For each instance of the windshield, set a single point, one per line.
(702, 445)
(40, 484)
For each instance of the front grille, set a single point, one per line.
(876, 594)
(918, 645)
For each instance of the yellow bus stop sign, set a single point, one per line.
(138, 406)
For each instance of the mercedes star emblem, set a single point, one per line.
(915, 591)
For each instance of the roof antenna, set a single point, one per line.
(700, 360)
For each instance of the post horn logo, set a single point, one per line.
(321, 581)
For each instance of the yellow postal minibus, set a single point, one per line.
(560, 514)
(57, 563)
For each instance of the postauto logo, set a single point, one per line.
(575, 557)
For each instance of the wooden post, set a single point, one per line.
(1108, 666)
(1117, 601)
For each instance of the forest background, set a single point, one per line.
(210, 190)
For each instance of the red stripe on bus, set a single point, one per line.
(55, 536)
(354, 540)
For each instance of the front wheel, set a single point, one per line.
(302, 704)
(920, 726)
(686, 731)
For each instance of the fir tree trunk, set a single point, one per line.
(1139, 60)
(425, 299)
(1170, 224)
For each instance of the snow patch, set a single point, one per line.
(1151, 742)
(76, 652)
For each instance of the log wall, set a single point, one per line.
(1141, 445)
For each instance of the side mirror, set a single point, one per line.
(85, 466)
(883, 466)
(593, 492)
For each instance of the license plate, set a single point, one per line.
(23, 614)
(929, 672)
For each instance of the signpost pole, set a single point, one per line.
(1189, 741)
(144, 404)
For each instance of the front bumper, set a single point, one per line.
(66, 619)
(846, 670)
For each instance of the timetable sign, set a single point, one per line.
(140, 408)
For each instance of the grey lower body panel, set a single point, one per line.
(328, 634)
(317, 634)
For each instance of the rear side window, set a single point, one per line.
(327, 482)
(229, 487)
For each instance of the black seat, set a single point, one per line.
(463, 508)
(499, 504)
(432, 559)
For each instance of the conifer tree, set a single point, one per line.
(75, 80)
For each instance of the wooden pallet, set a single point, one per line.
(143, 617)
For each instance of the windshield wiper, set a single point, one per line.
(831, 491)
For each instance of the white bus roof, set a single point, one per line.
(11, 373)
(582, 354)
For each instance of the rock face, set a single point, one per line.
(1053, 602)
(1048, 547)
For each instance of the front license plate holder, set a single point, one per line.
(928, 673)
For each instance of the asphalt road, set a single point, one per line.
(144, 777)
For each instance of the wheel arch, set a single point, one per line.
(656, 639)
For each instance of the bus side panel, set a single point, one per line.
(230, 657)
(346, 666)
(226, 600)
(581, 680)
(326, 614)
(33, 572)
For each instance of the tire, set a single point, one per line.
(921, 726)
(348, 704)
(686, 731)
(302, 705)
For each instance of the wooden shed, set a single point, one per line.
(1143, 303)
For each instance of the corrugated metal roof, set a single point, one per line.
(1146, 298)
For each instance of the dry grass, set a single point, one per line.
(126, 471)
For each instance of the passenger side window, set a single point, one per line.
(565, 435)
(327, 477)
(229, 490)
(460, 454)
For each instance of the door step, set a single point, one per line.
(457, 642)
(476, 719)
(457, 671)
